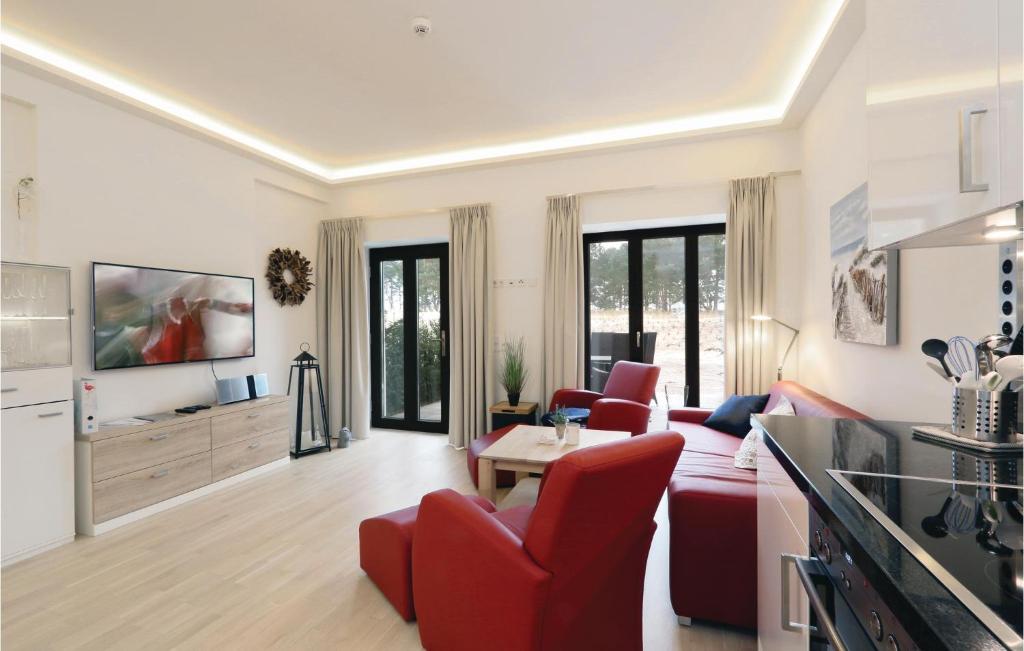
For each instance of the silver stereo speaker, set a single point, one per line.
(1009, 287)
(244, 387)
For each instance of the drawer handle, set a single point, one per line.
(252, 416)
(158, 437)
(8, 389)
(51, 414)
(160, 473)
(254, 445)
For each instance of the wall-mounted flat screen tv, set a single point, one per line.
(143, 316)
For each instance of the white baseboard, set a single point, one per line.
(103, 527)
(38, 549)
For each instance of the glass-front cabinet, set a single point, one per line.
(35, 316)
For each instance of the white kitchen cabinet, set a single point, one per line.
(943, 81)
(782, 522)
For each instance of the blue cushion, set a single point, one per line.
(575, 414)
(733, 415)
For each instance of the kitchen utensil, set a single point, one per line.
(1010, 368)
(962, 356)
(937, 348)
(941, 373)
(990, 381)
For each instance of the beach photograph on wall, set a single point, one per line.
(864, 283)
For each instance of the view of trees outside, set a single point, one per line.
(428, 338)
(664, 310)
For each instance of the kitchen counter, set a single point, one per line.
(874, 454)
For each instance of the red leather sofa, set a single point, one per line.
(713, 514)
(565, 574)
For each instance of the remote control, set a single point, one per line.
(186, 410)
(197, 407)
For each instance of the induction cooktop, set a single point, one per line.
(967, 531)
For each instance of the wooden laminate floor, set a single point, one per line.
(271, 563)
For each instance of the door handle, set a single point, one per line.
(967, 183)
(637, 338)
(825, 623)
(444, 344)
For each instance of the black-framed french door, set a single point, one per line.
(658, 296)
(409, 337)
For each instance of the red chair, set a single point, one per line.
(627, 381)
(608, 413)
(566, 574)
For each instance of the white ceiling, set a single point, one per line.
(345, 84)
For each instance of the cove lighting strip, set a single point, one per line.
(36, 53)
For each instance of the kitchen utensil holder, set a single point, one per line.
(991, 416)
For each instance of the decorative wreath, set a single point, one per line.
(294, 292)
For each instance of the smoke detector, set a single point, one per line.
(421, 26)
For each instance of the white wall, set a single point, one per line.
(517, 194)
(942, 292)
(116, 187)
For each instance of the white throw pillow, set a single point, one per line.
(746, 456)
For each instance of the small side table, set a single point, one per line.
(502, 414)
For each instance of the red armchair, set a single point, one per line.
(627, 381)
(607, 413)
(566, 574)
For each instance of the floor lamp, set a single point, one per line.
(796, 333)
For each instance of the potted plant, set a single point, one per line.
(560, 418)
(513, 369)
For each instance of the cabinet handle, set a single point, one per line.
(158, 437)
(254, 445)
(825, 623)
(160, 473)
(252, 415)
(637, 338)
(51, 414)
(967, 183)
(8, 389)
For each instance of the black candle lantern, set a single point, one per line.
(309, 383)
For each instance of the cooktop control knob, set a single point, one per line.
(893, 645)
(845, 580)
(826, 554)
(876, 625)
(817, 538)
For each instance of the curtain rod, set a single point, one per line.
(425, 211)
(668, 186)
(588, 193)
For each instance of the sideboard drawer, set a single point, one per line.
(124, 454)
(243, 425)
(239, 457)
(127, 493)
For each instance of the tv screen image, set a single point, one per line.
(144, 316)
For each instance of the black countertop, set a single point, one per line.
(809, 447)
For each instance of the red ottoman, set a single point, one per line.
(385, 554)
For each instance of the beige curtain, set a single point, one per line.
(749, 285)
(342, 324)
(469, 295)
(563, 297)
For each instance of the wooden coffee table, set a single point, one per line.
(521, 451)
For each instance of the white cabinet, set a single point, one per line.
(782, 522)
(37, 461)
(37, 447)
(943, 105)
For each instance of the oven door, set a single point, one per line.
(833, 625)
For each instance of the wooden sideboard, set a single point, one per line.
(126, 473)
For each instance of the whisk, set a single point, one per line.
(962, 358)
